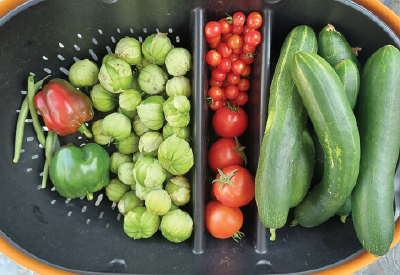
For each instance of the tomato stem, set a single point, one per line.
(237, 235)
(228, 18)
(225, 179)
(240, 151)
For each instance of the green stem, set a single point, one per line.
(343, 219)
(19, 133)
(49, 150)
(273, 235)
(84, 130)
(90, 196)
(45, 173)
(294, 223)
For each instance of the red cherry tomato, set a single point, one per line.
(242, 98)
(237, 51)
(234, 57)
(226, 152)
(212, 29)
(213, 40)
(215, 105)
(235, 41)
(225, 83)
(237, 30)
(238, 67)
(230, 122)
(226, 36)
(223, 98)
(247, 58)
(217, 75)
(252, 38)
(247, 71)
(231, 92)
(232, 78)
(243, 85)
(254, 20)
(215, 93)
(213, 58)
(224, 103)
(224, 65)
(247, 29)
(225, 26)
(248, 49)
(238, 19)
(224, 50)
(213, 82)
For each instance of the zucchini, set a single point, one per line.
(333, 47)
(350, 77)
(345, 210)
(377, 115)
(283, 134)
(304, 169)
(335, 124)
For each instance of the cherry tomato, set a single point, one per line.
(226, 152)
(235, 41)
(226, 36)
(248, 49)
(223, 98)
(254, 20)
(225, 26)
(247, 71)
(234, 57)
(242, 98)
(215, 105)
(247, 58)
(224, 50)
(231, 92)
(217, 75)
(237, 51)
(232, 78)
(213, 40)
(238, 194)
(252, 38)
(224, 65)
(237, 30)
(223, 221)
(238, 19)
(213, 82)
(214, 45)
(238, 67)
(224, 103)
(247, 29)
(215, 93)
(243, 85)
(213, 58)
(212, 29)
(230, 122)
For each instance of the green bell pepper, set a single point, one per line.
(77, 172)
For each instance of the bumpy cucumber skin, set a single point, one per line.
(377, 115)
(304, 169)
(283, 134)
(334, 122)
(349, 75)
(333, 46)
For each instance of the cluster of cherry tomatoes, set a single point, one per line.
(232, 50)
(232, 41)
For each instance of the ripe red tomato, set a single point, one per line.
(242, 98)
(215, 105)
(223, 221)
(247, 29)
(234, 57)
(232, 78)
(249, 49)
(212, 29)
(214, 45)
(225, 26)
(231, 92)
(247, 58)
(215, 93)
(237, 51)
(238, 67)
(226, 152)
(237, 30)
(224, 50)
(224, 65)
(226, 36)
(247, 71)
(243, 85)
(238, 19)
(235, 41)
(254, 20)
(213, 40)
(217, 75)
(213, 82)
(252, 38)
(213, 58)
(230, 122)
(223, 98)
(234, 186)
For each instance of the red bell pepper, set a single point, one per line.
(64, 108)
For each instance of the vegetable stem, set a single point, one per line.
(273, 235)
(49, 149)
(84, 130)
(19, 134)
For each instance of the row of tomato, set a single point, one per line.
(232, 45)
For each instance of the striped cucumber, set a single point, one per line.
(349, 75)
(334, 122)
(378, 114)
(283, 134)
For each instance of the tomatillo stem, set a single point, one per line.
(19, 133)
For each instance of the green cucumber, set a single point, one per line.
(377, 115)
(333, 47)
(324, 97)
(304, 169)
(319, 159)
(283, 134)
(349, 75)
(345, 210)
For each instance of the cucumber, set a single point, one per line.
(319, 159)
(334, 122)
(304, 169)
(283, 134)
(333, 47)
(377, 115)
(349, 75)
(345, 210)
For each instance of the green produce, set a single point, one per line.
(128, 202)
(115, 75)
(179, 190)
(135, 83)
(158, 202)
(176, 226)
(139, 127)
(80, 171)
(377, 115)
(140, 223)
(108, 57)
(149, 143)
(129, 100)
(103, 100)
(98, 135)
(177, 111)
(149, 173)
(345, 210)
(304, 169)
(178, 61)
(129, 50)
(350, 77)
(156, 47)
(334, 122)
(117, 126)
(125, 173)
(283, 135)
(116, 189)
(117, 159)
(137, 156)
(83, 73)
(175, 155)
(152, 79)
(142, 191)
(129, 114)
(150, 112)
(173, 207)
(178, 85)
(128, 145)
(180, 132)
(142, 64)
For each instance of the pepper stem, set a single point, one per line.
(84, 130)
(343, 218)
(89, 196)
(273, 235)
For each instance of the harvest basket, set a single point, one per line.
(48, 234)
